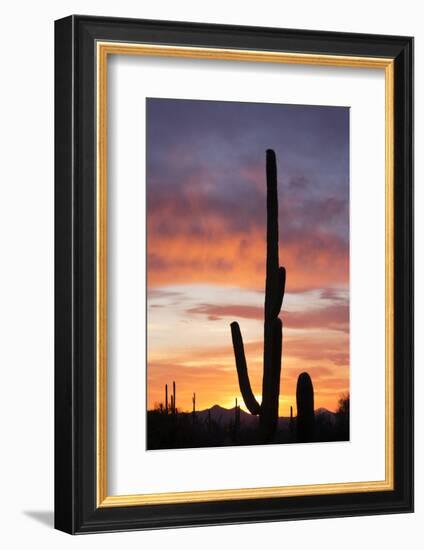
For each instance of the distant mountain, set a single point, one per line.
(223, 416)
(326, 416)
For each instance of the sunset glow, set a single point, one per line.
(206, 199)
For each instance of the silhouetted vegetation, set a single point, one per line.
(343, 418)
(305, 425)
(218, 427)
(274, 293)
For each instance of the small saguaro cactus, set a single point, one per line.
(194, 406)
(237, 416)
(166, 398)
(274, 292)
(174, 410)
(235, 427)
(305, 409)
(291, 423)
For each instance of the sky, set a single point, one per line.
(206, 221)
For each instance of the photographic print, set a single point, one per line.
(219, 290)
(247, 273)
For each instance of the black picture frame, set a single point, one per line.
(76, 508)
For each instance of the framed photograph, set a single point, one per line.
(234, 274)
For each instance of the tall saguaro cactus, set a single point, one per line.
(305, 423)
(274, 293)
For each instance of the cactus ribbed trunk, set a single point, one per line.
(274, 293)
(305, 422)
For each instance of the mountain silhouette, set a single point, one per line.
(225, 416)
(218, 426)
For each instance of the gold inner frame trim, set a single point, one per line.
(103, 50)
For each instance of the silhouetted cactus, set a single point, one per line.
(235, 425)
(305, 422)
(274, 293)
(237, 416)
(194, 406)
(291, 424)
(174, 409)
(173, 399)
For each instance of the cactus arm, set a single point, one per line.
(282, 281)
(243, 376)
(278, 295)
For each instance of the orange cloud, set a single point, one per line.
(239, 260)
